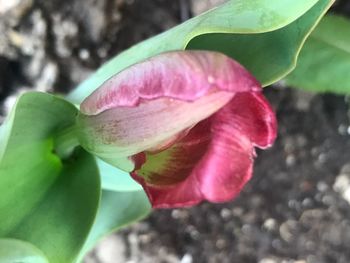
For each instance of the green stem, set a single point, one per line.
(65, 142)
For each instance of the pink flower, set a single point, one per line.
(188, 120)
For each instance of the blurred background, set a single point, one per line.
(296, 209)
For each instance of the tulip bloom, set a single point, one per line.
(187, 120)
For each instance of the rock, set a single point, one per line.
(270, 224)
(342, 183)
(268, 260)
(187, 258)
(65, 31)
(7, 5)
(303, 99)
(111, 250)
(95, 16)
(289, 230)
(11, 15)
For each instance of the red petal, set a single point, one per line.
(255, 118)
(182, 75)
(214, 161)
(167, 177)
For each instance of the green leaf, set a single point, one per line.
(117, 209)
(115, 179)
(27, 163)
(47, 202)
(244, 20)
(60, 224)
(13, 250)
(324, 62)
(268, 56)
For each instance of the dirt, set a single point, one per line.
(295, 209)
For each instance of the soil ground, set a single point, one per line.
(295, 209)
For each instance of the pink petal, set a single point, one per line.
(152, 125)
(182, 75)
(214, 161)
(147, 106)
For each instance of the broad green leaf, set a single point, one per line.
(237, 17)
(268, 56)
(117, 209)
(115, 179)
(27, 164)
(61, 222)
(47, 202)
(324, 62)
(13, 250)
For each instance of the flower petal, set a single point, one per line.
(214, 161)
(182, 75)
(151, 104)
(255, 118)
(167, 177)
(125, 131)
